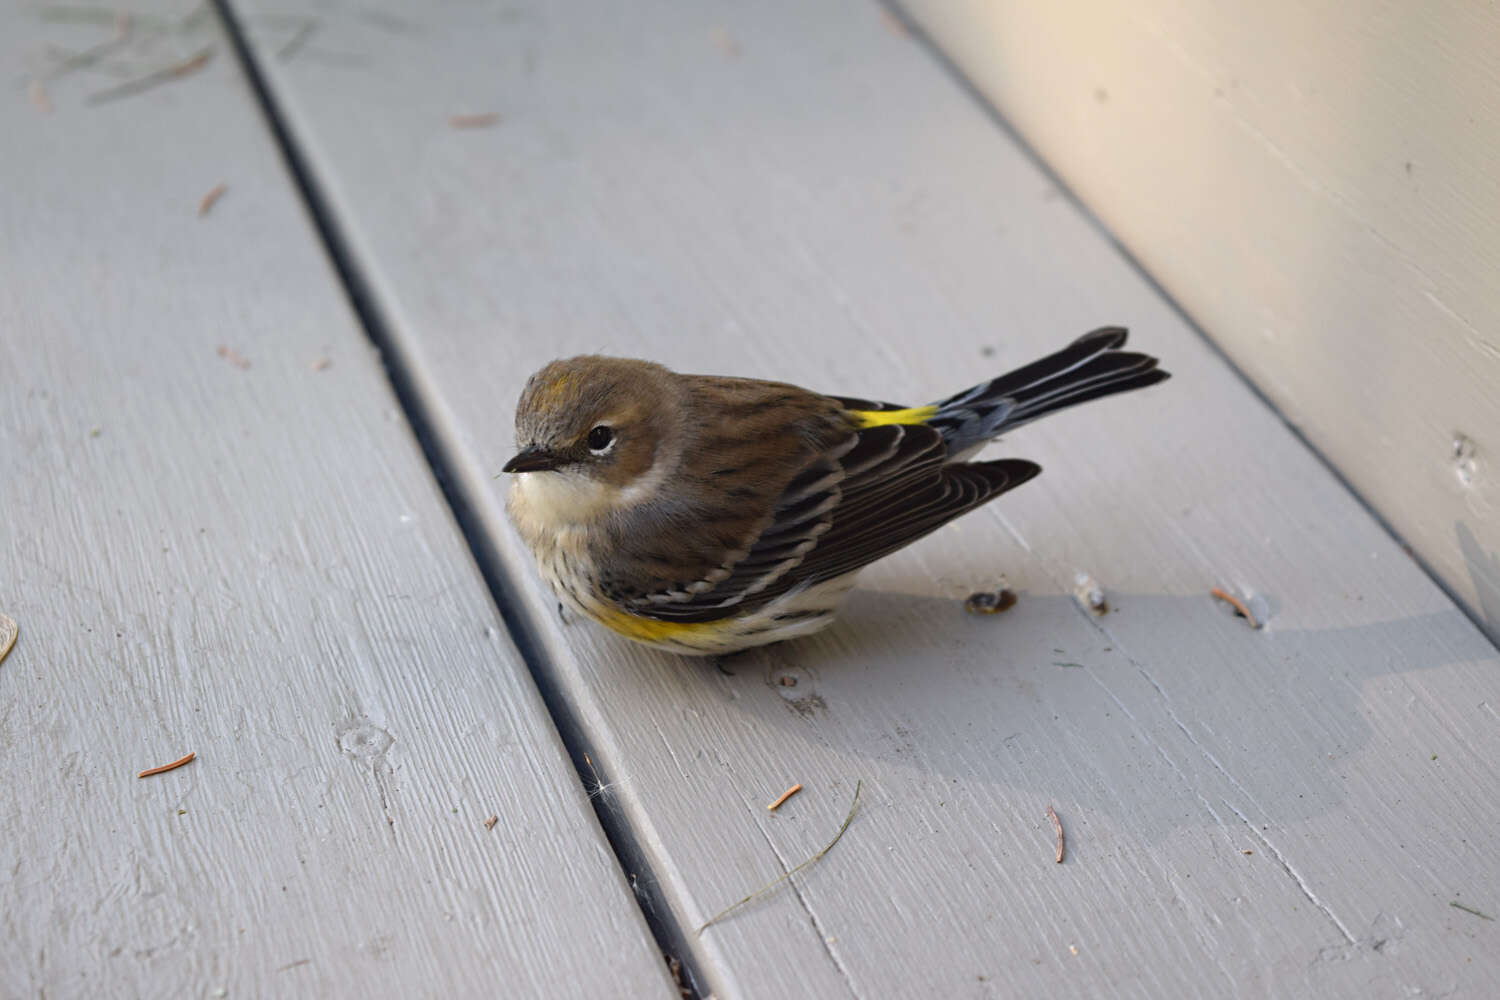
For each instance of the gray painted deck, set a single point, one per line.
(245, 555)
(802, 193)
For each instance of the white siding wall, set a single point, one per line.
(1315, 182)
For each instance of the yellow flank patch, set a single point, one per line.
(644, 629)
(879, 418)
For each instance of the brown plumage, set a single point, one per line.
(705, 513)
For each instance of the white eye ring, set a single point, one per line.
(601, 439)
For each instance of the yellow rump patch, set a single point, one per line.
(644, 629)
(880, 418)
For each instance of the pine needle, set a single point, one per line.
(164, 768)
(174, 72)
(782, 878)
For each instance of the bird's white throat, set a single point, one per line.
(550, 501)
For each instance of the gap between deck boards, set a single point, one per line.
(671, 937)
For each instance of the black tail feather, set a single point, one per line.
(1091, 367)
(1107, 338)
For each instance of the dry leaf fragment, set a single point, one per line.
(489, 824)
(1057, 828)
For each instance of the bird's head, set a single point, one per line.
(592, 433)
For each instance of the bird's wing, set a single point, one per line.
(891, 488)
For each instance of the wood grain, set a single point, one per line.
(251, 562)
(823, 204)
(1313, 180)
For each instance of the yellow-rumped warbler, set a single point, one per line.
(705, 514)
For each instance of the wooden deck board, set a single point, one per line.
(798, 191)
(218, 535)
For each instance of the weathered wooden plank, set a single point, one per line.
(797, 191)
(217, 535)
(1313, 180)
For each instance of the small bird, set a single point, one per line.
(705, 515)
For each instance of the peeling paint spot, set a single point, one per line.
(363, 740)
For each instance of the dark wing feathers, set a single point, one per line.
(933, 499)
(802, 514)
(894, 489)
(1089, 345)
(1102, 375)
(884, 487)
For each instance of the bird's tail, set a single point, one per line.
(1090, 367)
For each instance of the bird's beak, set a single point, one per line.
(532, 459)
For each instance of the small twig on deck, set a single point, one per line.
(148, 772)
(214, 194)
(482, 120)
(164, 75)
(782, 878)
(1236, 603)
(232, 356)
(1469, 909)
(8, 632)
(783, 797)
(1056, 828)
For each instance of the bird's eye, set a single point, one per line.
(600, 438)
